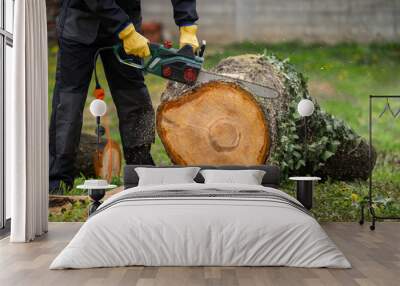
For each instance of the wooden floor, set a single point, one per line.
(375, 257)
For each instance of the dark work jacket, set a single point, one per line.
(83, 20)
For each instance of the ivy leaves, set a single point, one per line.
(325, 133)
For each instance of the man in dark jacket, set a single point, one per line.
(83, 27)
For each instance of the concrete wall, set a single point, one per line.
(328, 21)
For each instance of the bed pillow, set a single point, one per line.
(248, 177)
(165, 176)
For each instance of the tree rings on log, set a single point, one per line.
(217, 123)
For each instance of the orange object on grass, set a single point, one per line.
(99, 93)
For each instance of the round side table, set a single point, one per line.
(304, 190)
(96, 190)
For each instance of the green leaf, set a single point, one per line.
(299, 164)
(297, 154)
(326, 155)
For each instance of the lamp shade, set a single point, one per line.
(305, 107)
(98, 108)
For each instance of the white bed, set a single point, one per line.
(185, 230)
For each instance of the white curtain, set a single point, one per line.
(27, 123)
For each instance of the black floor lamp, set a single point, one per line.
(98, 108)
(305, 184)
(305, 108)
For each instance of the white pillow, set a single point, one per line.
(248, 177)
(164, 176)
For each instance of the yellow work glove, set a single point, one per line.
(188, 36)
(134, 43)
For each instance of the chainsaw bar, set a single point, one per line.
(255, 88)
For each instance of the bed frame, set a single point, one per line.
(271, 178)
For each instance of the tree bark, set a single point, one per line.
(211, 124)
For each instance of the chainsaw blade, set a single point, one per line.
(255, 88)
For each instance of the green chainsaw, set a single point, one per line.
(179, 65)
(184, 66)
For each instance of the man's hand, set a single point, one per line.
(188, 36)
(134, 43)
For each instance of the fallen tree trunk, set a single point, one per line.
(222, 123)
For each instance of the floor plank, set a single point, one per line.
(375, 257)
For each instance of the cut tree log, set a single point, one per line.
(222, 123)
(218, 122)
(251, 119)
(104, 164)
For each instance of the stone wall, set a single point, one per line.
(329, 21)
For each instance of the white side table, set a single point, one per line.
(304, 190)
(96, 189)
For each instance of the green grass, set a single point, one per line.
(77, 212)
(341, 77)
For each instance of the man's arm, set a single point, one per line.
(185, 13)
(185, 16)
(110, 11)
(120, 24)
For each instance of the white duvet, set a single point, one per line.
(200, 231)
